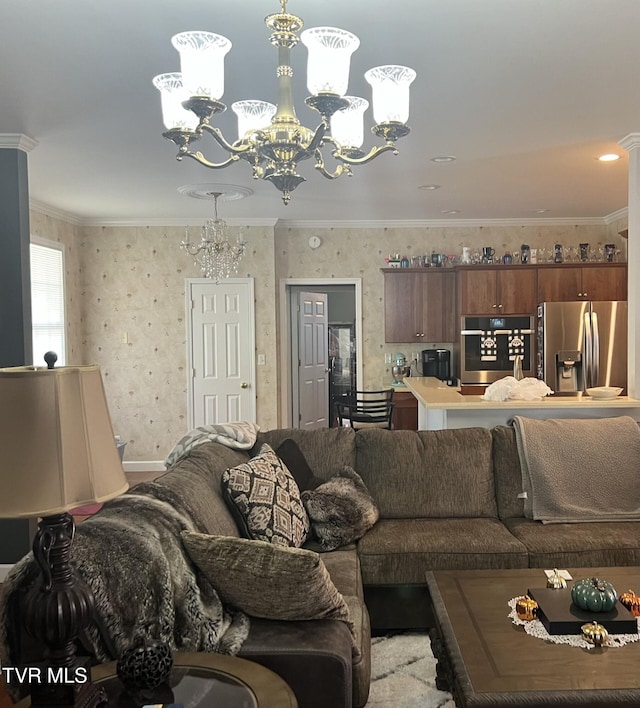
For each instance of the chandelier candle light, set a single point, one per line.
(271, 138)
(215, 254)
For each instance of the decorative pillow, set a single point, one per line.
(265, 580)
(341, 510)
(289, 452)
(265, 501)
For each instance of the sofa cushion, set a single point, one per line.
(265, 500)
(428, 474)
(344, 568)
(575, 545)
(265, 580)
(507, 472)
(398, 551)
(340, 510)
(325, 449)
(289, 452)
(192, 486)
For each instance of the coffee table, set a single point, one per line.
(485, 660)
(202, 680)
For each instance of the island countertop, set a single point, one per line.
(441, 406)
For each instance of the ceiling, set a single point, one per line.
(524, 93)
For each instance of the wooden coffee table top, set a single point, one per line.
(494, 662)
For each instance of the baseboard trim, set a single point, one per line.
(144, 466)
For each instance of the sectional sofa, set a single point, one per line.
(447, 500)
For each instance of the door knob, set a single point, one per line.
(244, 384)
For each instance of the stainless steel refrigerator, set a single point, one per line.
(582, 345)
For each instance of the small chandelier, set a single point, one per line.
(271, 138)
(216, 256)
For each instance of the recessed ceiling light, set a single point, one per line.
(450, 211)
(443, 158)
(540, 211)
(429, 187)
(609, 157)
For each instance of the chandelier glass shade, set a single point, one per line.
(270, 137)
(215, 255)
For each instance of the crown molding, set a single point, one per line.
(630, 142)
(436, 223)
(48, 210)
(174, 222)
(615, 215)
(17, 141)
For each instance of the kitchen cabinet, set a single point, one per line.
(405, 410)
(419, 305)
(499, 290)
(591, 281)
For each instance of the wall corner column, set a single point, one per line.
(15, 302)
(631, 143)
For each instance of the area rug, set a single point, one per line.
(403, 673)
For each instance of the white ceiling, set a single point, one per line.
(525, 93)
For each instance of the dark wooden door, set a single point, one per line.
(403, 307)
(478, 291)
(438, 305)
(560, 284)
(606, 282)
(517, 289)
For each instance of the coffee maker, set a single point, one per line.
(437, 363)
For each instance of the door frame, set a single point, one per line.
(189, 335)
(286, 370)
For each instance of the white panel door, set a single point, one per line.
(313, 367)
(221, 323)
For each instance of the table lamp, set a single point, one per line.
(58, 452)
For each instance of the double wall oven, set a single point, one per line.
(489, 347)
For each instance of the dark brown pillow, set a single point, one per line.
(341, 510)
(289, 452)
(264, 499)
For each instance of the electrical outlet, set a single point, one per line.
(124, 337)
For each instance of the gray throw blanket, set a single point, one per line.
(131, 556)
(241, 436)
(580, 470)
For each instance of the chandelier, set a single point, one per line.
(271, 138)
(216, 256)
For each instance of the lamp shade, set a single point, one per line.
(330, 50)
(390, 91)
(172, 94)
(202, 62)
(252, 115)
(347, 125)
(56, 441)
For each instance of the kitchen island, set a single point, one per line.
(441, 407)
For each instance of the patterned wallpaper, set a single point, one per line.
(129, 283)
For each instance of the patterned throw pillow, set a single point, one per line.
(265, 500)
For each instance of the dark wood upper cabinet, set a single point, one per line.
(499, 290)
(419, 305)
(587, 282)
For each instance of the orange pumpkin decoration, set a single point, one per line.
(526, 608)
(631, 601)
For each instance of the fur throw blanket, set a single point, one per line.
(131, 555)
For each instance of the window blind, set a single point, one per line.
(47, 302)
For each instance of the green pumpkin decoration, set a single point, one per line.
(594, 594)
